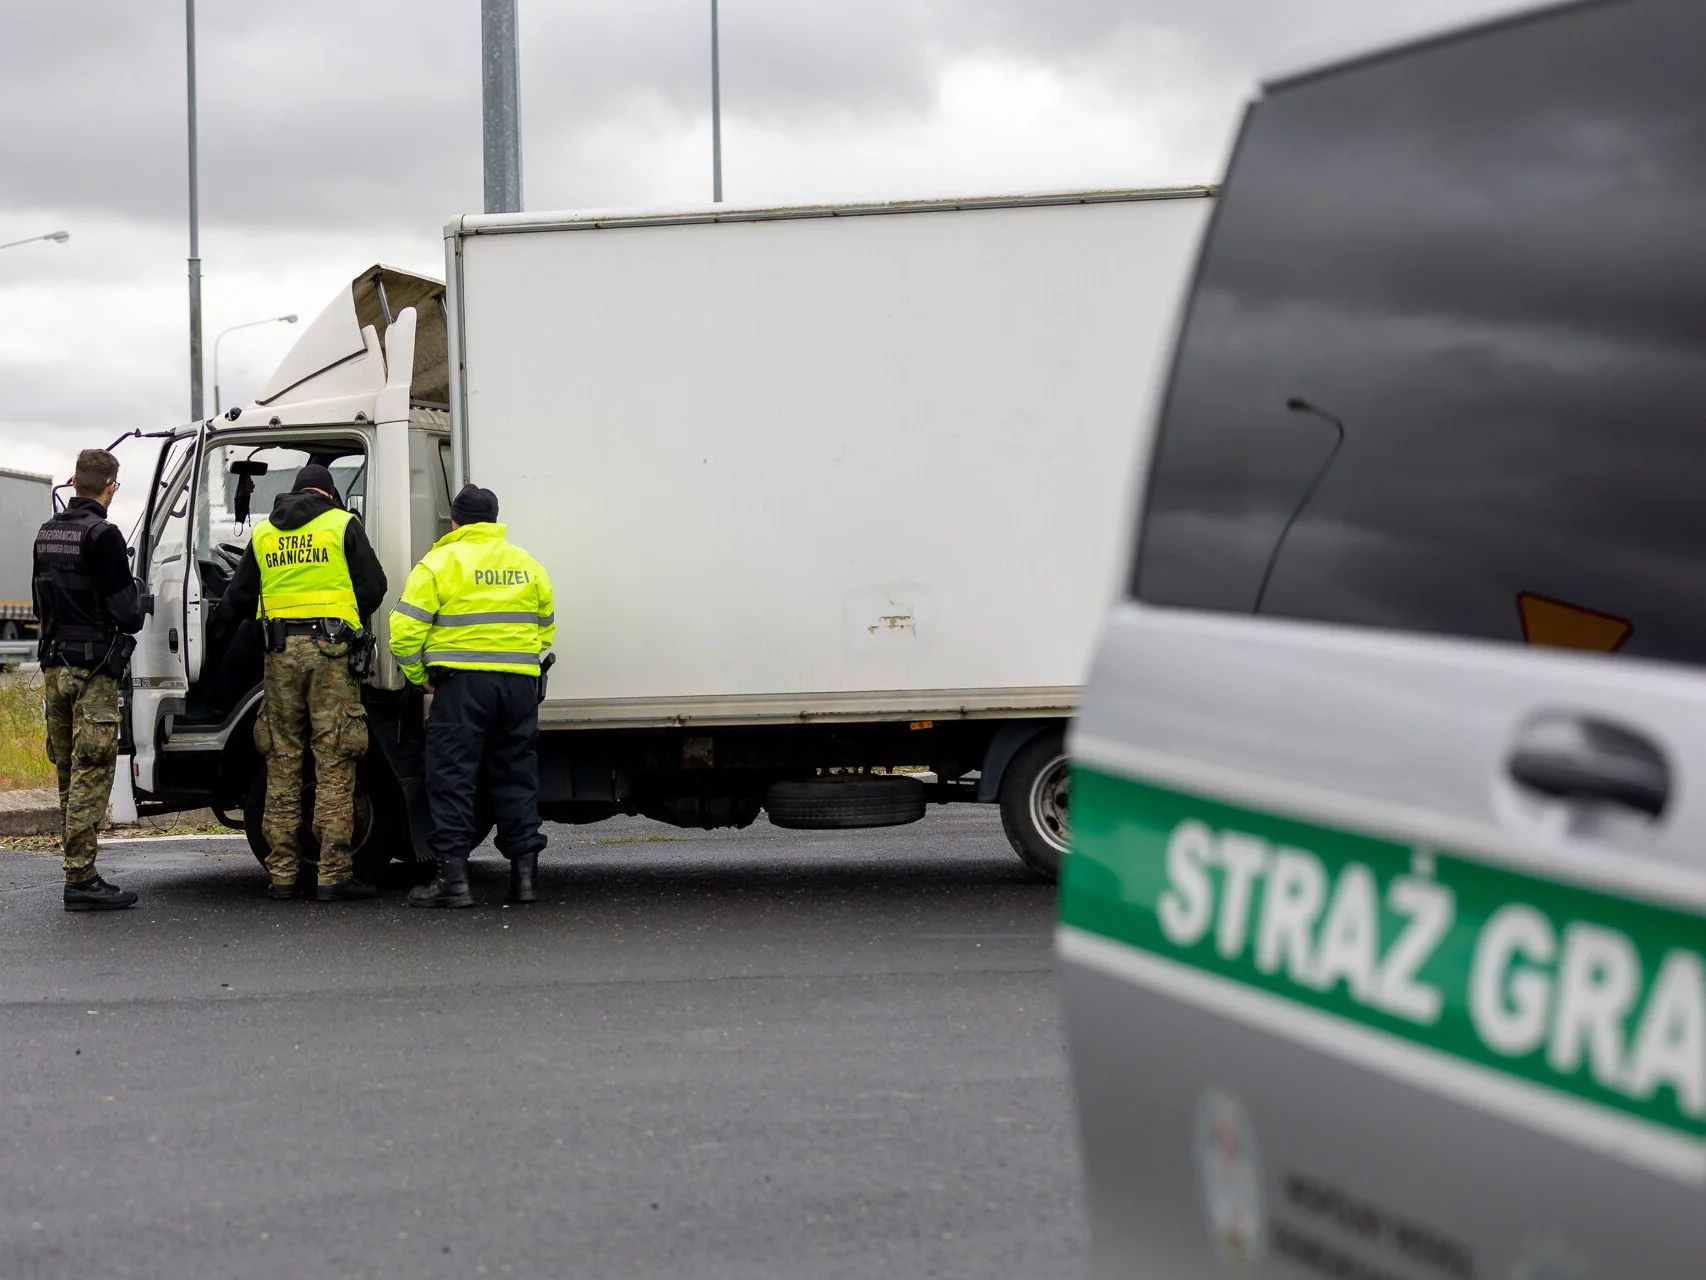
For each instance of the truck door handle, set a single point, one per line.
(1582, 758)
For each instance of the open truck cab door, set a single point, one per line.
(159, 669)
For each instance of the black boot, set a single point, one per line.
(450, 889)
(522, 868)
(97, 895)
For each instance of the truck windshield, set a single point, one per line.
(241, 479)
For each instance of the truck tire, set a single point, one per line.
(845, 802)
(1034, 812)
(371, 851)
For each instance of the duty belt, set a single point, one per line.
(277, 629)
(68, 651)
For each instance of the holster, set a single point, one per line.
(545, 666)
(118, 655)
(362, 645)
(275, 634)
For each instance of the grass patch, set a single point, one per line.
(50, 844)
(23, 735)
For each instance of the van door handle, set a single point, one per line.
(1582, 758)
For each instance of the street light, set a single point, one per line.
(195, 218)
(716, 112)
(247, 324)
(1297, 404)
(58, 237)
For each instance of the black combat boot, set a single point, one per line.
(450, 889)
(344, 891)
(280, 892)
(97, 895)
(522, 868)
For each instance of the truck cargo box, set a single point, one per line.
(25, 501)
(848, 462)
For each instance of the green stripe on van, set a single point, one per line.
(1599, 997)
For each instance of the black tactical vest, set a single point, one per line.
(75, 624)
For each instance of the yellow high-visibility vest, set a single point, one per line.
(303, 571)
(475, 602)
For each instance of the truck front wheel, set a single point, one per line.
(370, 852)
(1034, 808)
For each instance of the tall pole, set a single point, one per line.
(716, 113)
(500, 102)
(195, 228)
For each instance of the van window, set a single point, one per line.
(1445, 364)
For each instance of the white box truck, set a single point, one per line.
(825, 493)
(26, 501)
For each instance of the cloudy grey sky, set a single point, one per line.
(337, 134)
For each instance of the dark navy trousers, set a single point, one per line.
(483, 733)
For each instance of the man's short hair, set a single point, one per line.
(96, 469)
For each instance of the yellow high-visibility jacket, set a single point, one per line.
(475, 602)
(303, 571)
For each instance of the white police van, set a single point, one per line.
(1384, 929)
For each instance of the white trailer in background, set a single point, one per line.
(26, 500)
(822, 490)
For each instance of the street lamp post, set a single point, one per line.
(58, 237)
(716, 112)
(195, 222)
(500, 105)
(1297, 404)
(247, 324)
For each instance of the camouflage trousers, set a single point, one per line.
(310, 699)
(82, 742)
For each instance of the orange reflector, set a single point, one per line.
(1569, 626)
(923, 724)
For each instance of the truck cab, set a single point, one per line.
(363, 392)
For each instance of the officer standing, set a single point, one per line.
(474, 624)
(318, 583)
(89, 609)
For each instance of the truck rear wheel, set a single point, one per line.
(370, 852)
(842, 802)
(1034, 809)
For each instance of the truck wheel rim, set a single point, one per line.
(1050, 815)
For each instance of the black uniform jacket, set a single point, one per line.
(104, 598)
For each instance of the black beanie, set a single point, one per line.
(474, 505)
(314, 476)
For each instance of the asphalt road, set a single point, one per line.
(732, 1054)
